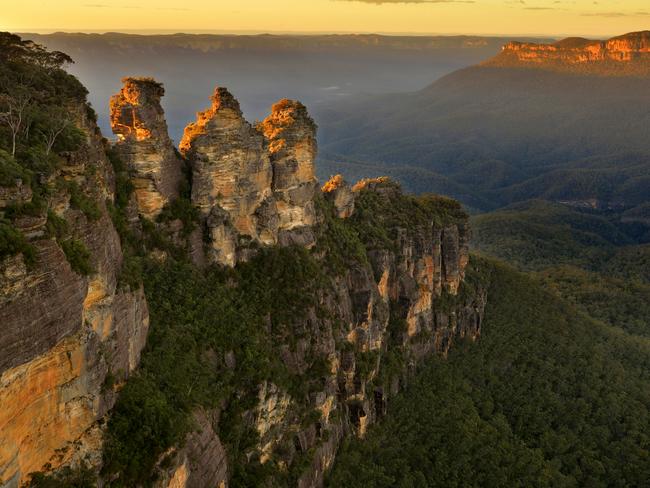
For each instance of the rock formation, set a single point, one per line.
(340, 193)
(70, 341)
(627, 55)
(231, 176)
(256, 183)
(291, 136)
(143, 143)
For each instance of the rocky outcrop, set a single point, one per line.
(143, 143)
(339, 192)
(66, 337)
(627, 55)
(202, 461)
(291, 137)
(406, 302)
(252, 184)
(232, 176)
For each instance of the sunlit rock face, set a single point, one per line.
(252, 184)
(143, 143)
(291, 137)
(339, 192)
(231, 176)
(627, 55)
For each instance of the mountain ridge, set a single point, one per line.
(625, 55)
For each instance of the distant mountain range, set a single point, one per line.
(260, 69)
(548, 121)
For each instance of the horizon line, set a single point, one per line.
(261, 32)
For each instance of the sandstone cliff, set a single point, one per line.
(291, 138)
(627, 55)
(370, 323)
(261, 370)
(66, 338)
(138, 120)
(231, 176)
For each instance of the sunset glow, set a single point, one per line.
(550, 17)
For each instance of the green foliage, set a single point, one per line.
(196, 319)
(379, 216)
(338, 239)
(77, 255)
(629, 263)
(534, 235)
(123, 186)
(80, 477)
(583, 256)
(13, 242)
(547, 397)
(10, 171)
(56, 227)
(151, 423)
(618, 302)
(181, 209)
(82, 202)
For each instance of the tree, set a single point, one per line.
(15, 49)
(59, 121)
(15, 114)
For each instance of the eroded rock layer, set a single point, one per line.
(407, 301)
(232, 176)
(144, 144)
(388, 289)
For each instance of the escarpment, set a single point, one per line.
(69, 332)
(627, 55)
(311, 309)
(143, 143)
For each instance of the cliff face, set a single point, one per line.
(379, 285)
(231, 176)
(370, 323)
(627, 55)
(144, 144)
(64, 333)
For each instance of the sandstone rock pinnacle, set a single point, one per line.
(252, 182)
(291, 137)
(143, 143)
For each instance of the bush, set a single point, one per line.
(77, 255)
(13, 242)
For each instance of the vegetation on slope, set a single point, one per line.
(547, 397)
(215, 334)
(494, 136)
(590, 258)
(38, 100)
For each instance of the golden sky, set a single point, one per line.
(510, 17)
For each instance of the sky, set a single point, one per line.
(591, 18)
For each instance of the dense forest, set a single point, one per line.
(548, 397)
(556, 392)
(37, 128)
(495, 136)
